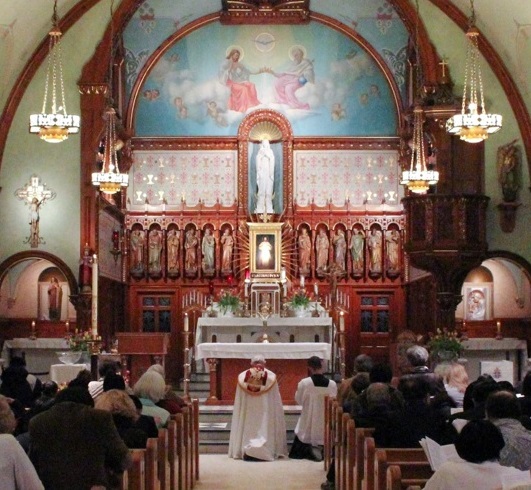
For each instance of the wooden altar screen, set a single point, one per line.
(139, 350)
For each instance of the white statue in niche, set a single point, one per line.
(265, 178)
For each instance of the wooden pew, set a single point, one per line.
(152, 478)
(135, 477)
(412, 461)
(163, 459)
(338, 448)
(330, 403)
(360, 435)
(394, 480)
(195, 404)
(351, 454)
(344, 457)
(187, 463)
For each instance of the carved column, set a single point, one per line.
(446, 236)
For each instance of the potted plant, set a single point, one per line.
(228, 303)
(300, 302)
(445, 346)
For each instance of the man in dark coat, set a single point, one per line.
(74, 446)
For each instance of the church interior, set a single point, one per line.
(307, 177)
(197, 183)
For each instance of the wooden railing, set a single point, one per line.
(171, 461)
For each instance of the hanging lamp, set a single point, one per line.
(418, 178)
(54, 126)
(473, 124)
(110, 180)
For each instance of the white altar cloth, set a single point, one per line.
(279, 329)
(63, 373)
(299, 350)
(40, 354)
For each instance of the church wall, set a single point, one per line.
(450, 42)
(56, 164)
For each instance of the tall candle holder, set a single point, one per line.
(186, 381)
(499, 335)
(33, 334)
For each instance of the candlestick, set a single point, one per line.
(498, 330)
(341, 322)
(186, 324)
(94, 295)
(246, 289)
(283, 274)
(67, 325)
(33, 324)
(316, 289)
(302, 281)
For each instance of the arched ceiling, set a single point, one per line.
(23, 26)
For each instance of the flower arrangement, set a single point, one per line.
(445, 340)
(300, 300)
(79, 341)
(228, 302)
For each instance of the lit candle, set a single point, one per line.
(283, 274)
(341, 322)
(67, 325)
(302, 281)
(246, 288)
(186, 324)
(94, 295)
(316, 289)
(247, 275)
(33, 324)
(498, 328)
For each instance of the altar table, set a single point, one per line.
(487, 349)
(286, 360)
(40, 354)
(63, 373)
(250, 329)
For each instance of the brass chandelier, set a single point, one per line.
(473, 124)
(55, 125)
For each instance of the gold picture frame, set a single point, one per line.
(265, 251)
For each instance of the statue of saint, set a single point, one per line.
(340, 246)
(137, 251)
(265, 178)
(227, 242)
(207, 247)
(356, 250)
(392, 241)
(374, 242)
(174, 245)
(155, 251)
(190, 246)
(322, 244)
(55, 296)
(305, 250)
(508, 162)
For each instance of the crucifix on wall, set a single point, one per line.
(34, 194)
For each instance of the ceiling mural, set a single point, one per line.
(330, 88)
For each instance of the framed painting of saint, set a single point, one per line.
(265, 250)
(477, 300)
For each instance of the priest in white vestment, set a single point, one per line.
(258, 428)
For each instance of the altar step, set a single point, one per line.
(214, 427)
(214, 420)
